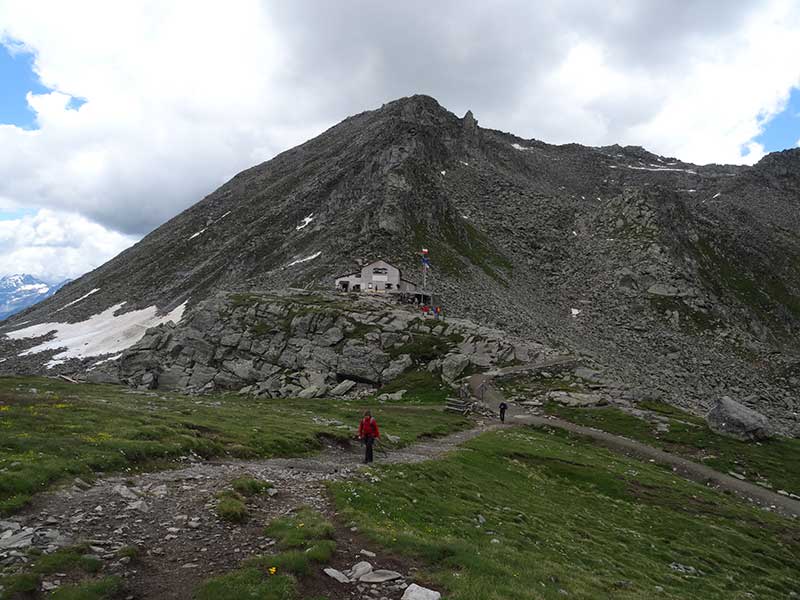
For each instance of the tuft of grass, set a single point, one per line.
(64, 430)
(300, 529)
(132, 552)
(527, 513)
(19, 584)
(100, 589)
(249, 486)
(231, 507)
(73, 560)
(775, 462)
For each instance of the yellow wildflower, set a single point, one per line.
(273, 570)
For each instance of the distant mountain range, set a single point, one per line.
(18, 292)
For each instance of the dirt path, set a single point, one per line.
(170, 515)
(686, 468)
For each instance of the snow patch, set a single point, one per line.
(464, 163)
(302, 260)
(103, 333)
(78, 300)
(306, 221)
(575, 312)
(717, 195)
(203, 230)
(109, 359)
(518, 147)
(662, 169)
(443, 173)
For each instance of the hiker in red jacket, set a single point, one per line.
(368, 432)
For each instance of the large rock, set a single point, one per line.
(453, 366)
(735, 420)
(576, 400)
(380, 576)
(417, 592)
(396, 368)
(342, 388)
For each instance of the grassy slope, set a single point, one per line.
(65, 430)
(776, 461)
(570, 517)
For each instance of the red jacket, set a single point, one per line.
(368, 427)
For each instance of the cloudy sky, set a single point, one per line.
(115, 116)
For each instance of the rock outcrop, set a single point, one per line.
(306, 345)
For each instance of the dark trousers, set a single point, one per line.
(502, 415)
(368, 442)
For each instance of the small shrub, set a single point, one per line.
(231, 508)
(24, 583)
(132, 552)
(248, 486)
(101, 589)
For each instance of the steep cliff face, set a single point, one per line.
(682, 279)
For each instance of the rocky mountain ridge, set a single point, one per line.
(682, 280)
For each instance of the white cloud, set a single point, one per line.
(182, 95)
(56, 246)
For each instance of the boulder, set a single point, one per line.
(663, 289)
(342, 388)
(735, 420)
(380, 576)
(417, 592)
(576, 400)
(101, 376)
(333, 336)
(360, 569)
(313, 391)
(453, 366)
(337, 575)
(396, 368)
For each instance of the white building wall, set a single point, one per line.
(378, 276)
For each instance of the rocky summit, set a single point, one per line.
(679, 282)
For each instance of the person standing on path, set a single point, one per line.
(503, 409)
(482, 390)
(368, 432)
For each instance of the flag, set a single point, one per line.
(424, 251)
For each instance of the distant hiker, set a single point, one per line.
(503, 409)
(368, 432)
(482, 390)
(437, 312)
(425, 309)
(464, 392)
